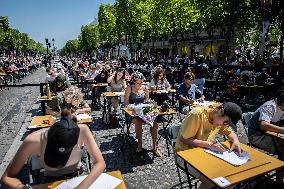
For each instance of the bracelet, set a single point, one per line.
(28, 186)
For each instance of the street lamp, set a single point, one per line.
(53, 45)
(47, 45)
(266, 12)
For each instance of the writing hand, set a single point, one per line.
(236, 146)
(217, 147)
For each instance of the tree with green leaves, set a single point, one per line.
(89, 38)
(107, 26)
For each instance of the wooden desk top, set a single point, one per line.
(116, 174)
(113, 94)
(38, 122)
(213, 167)
(215, 104)
(131, 112)
(251, 86)
(44, 98)
(100, 85)
(278, 135)
(85, 121)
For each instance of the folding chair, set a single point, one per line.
(245, 119)
(172, 134)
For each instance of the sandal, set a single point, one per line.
(157, 152)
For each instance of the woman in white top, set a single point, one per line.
(59, 150)
(117, 84)
(159, 82)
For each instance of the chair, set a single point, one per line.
(172, 134)
(245, 119)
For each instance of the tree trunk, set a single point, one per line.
(281, 40)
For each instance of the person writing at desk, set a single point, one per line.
(200, 128)
(117, 84)
(188, 92)
(159, 82)
(72, 99)
(58, 150)
(269, 117)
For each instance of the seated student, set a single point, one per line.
(159, 82)
(188, 92)
(135, 94)
(72, 99)
(51, 75)
(200, 128)
(97, 91)
(117, 84)
(269, 117)
(59, 151)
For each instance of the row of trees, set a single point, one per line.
(136, 21)
(13, 39)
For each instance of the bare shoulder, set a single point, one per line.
(34, 137)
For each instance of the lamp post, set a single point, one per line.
(266, 12)
(53, 40)
(47, 46)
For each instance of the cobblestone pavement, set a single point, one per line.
(15, 107)
(145, 172)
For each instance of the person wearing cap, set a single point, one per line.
(58, 150)
(201, 126)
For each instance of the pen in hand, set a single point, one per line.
(217, 146)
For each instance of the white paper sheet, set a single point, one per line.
(221, 181)
(205, 103)
(83, 116)
(104, 181)
(162, 91)
(231, 157)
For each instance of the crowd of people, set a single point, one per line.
(14, 68)
(192, 83)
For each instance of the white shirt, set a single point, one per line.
(270, 112)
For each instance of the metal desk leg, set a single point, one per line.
(104, 109)
(187, 174)
(43, 107)
(165, 131)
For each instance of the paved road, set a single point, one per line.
(16, 104)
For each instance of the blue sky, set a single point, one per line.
(58, 19)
